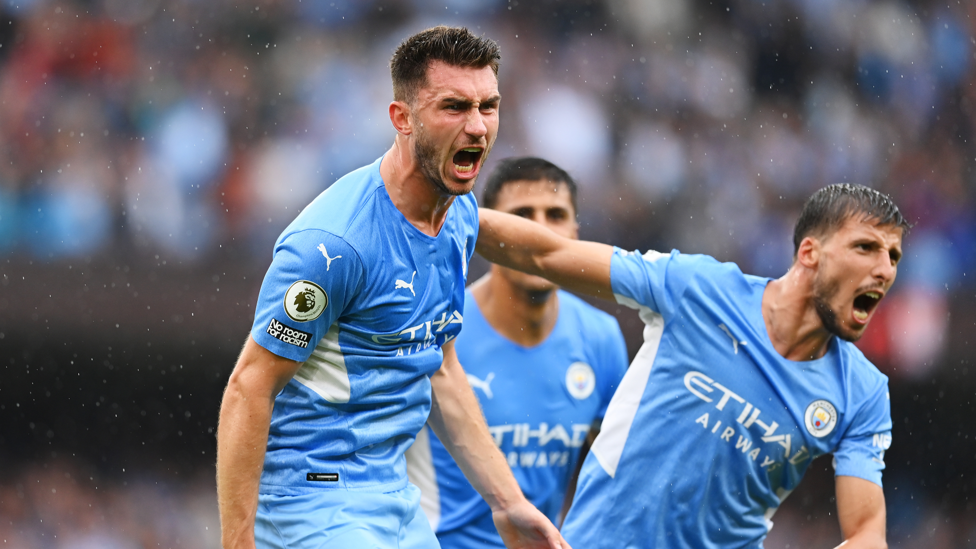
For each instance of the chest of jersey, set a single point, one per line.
(530, 397)
(740, 404)
(412, 297)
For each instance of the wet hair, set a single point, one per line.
(525, 168)
(830, 207)
(456, 46)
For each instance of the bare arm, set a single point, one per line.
(242, 436)
(458, 422)
(529, 247)
(861, 511)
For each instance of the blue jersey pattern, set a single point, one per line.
(365, 300)
(712, 427)
(539, 403)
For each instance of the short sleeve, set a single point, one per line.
(653, 280)
(861, 451)
(612, 365)
(312, 278)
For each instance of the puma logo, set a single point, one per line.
(735, 342)
(401, 284)
(328, 259)
(485, 385)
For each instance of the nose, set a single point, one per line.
(476, 126)
(886, 269)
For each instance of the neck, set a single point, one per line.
(791, 318)
(420, 202)
(521, 316)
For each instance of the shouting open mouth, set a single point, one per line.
(864, 305)
(467, 159)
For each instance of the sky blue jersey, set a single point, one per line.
(539, 403)
(365, 300)
(712, 428)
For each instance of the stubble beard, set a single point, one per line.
(426, 156)
(823, 292)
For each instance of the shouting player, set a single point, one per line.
(352, 344)
(542, 363)
(741, 382)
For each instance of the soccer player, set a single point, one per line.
(352, 344)
(542, 363)
(741, 382)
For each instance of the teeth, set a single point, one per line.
(463, 169)
(472, 149)
(860, 315)
(873, 295)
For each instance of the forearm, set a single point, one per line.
(242, 436)
(861, 512)
(864, 542)
(513, 242)
(457, 420)
(529, 247)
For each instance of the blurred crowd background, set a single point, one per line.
(151, 151)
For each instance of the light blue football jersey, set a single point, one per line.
(365, 300)
(712, 428)
(539, 403)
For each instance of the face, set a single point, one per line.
(544, 202)
(856, 268)
(455, 124)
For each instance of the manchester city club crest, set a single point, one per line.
(305, 301)
(580, 380)
(820, 418)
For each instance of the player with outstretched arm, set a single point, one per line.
(352, 346)
(740, 383)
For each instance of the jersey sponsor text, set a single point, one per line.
(702, 386)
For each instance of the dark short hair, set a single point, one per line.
(525, 168)
(830, 207)
(456, 46)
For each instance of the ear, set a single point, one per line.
(808, 254)
(400, 117)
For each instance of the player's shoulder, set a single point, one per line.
(862, 375)
(689, 264)
(706, 271)
(343, 207)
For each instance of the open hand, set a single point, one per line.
(522, 526)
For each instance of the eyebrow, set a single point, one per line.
(467, 103)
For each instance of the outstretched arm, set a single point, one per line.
(517, 243)
(458, 422)
(242, 436)
(861, 511)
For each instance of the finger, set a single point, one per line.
(557, 542)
